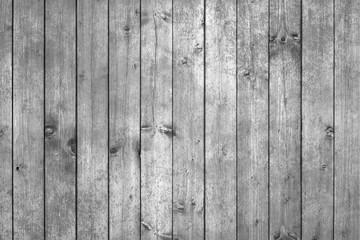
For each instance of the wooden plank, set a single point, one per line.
(6, 119)
(156, 119)
(28, 119)
(252, 123)
(220, 125)
(317, 118)
(92, 119)
(285, 122)
(188, 170)
(124, 117)
(60, 132)
(347, 115)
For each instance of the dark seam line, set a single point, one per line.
(12, 120)
(334, 115)
(301, 116)
(44, 123)
(76, 119)
(204, 99)
(268, 143)
(236, 121)
(140, 92)
(172, 119)
(108, 116)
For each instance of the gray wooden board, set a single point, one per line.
(124, 115)
(92, 119)
(28, 119)
(188, 92)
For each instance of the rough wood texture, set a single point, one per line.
(92, 119)
(60, 133)
(6, 119)
(347, 115)
(317, 119)
(188, 169)
(28, 119)
(124, 119)
(220, 167)
(252, 120)
(156, 119)
(285, 127)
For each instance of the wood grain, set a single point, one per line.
(124, 117)
(28, 120)
(156, 119)
(252, 120)
(220, 170)
(347, 115)
(317, 119)
(60, 132)
(6, 119)
(285, 122)
(92, 119)
(188, 168)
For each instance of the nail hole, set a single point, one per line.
(49, 131)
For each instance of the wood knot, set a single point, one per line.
(114, 150)
(184, 61)
(1, 133)
(329, 132)
(17, 168)
(126, 28)
(257, 221)
(314, 238)
(72, 145)
(167, 130)
(246, 73)
(323, 167)
(49, 131)
(198, 48)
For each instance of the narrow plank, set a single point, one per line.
(317, 118)
(188, 119)
(28, 119)
(92, 119)
(60, 132)
(124, 117)
(252, 119)
(347, 115)
(6, 119)
(156, 119)
(285, 121)
(220, 125)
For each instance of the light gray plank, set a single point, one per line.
(347, 115)
(252, 123)
(60, 133)
(6, 119)
(285, 122)
(124, 117)
(28, 119)
(92, 119)
(220, 170)
(317, 118)
(156, 119)
(188, 169)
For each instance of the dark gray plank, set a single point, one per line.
(28, 119)
(6, 119)
(92, 119)
(188, 169)
(156, 119)
(252, 119)
(124, 117)
(220, 178)
(285, 126)
(317, 108)
(60, 133)
(347, 115)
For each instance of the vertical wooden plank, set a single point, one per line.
(92, 119)
(28, 119)
(156, 119)
(6, 119)
(285, 122)
(317, 118)
(188, 120)
(60, 133)
(124, 117)
(347, 115)
(252, 123)
(220, 125)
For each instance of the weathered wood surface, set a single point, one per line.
(6, 129)
(220, 119)
(317, 119)
(124, 117)
(252, 120)
(347, 117)
(28, 119)
(92, 119)
(188, 113)
(60, 107)
(285, 120)
(156, 119)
